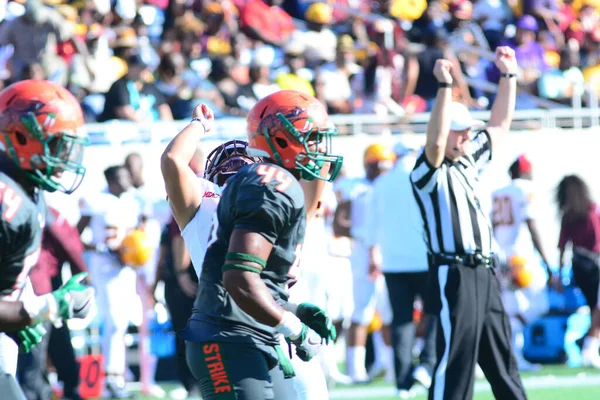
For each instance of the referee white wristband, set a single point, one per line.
(290, 326)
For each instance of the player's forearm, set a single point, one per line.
(181, 149)
(438, 127)
(252, 295)
(13, 316)
(181, 256)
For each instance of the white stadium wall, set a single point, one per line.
(554, 153)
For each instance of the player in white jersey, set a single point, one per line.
(155, 213)
(369, 295)
(194, 203)
(111, 215)
(513, 218)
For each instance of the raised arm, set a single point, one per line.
(504, 105)
(180, 181)
(438, 127)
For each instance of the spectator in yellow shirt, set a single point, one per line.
(294, 62)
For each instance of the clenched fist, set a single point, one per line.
(205, 116)
(442, 71)
(505, 60)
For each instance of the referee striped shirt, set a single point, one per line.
(447, 198)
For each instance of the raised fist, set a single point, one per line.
(505, 60)
(441, 71)
(205, 115)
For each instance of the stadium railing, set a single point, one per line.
(120, 132)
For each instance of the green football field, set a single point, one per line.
(554, 382)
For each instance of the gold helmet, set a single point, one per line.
(377, 153)
(520, 271)
(135, 249)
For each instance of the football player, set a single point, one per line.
(513, 220)
(369, 294)
(233, 345)
(224, 161)
(111, 215)
(41, 149)
(154, 214)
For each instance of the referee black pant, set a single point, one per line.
(473, 328)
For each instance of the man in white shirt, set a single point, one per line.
(111, 215)
(396, 230)
(370, 295)
(513, 219)
(154, 213)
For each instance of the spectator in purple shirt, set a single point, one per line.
(542, 10)
(530, 57)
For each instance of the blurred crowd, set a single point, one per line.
(153, 59)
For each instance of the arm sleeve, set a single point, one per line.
(424, 176)
(264, 210)
(528, 204)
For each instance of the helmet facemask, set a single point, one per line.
(60, 166)
(309, 163)
(226, 160)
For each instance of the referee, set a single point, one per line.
(463, 289)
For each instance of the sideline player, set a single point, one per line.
(111, 215)
(513, 220)
(262, 212)
(369, 294)
(41, 149)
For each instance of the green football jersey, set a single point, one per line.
(22, 219)
(262, 198)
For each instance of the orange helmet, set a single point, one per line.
(283, 126)
(41, 131)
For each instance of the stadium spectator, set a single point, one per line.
(562, 83)
(294, 78)
(260, 84)
(333, 79)
(35, 36)
(419, 70)
(131, 98)
(492, 16)
(266, 21)
(319, 39)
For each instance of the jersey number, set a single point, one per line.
(268, 172)
(11, 200)
(503, 212)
